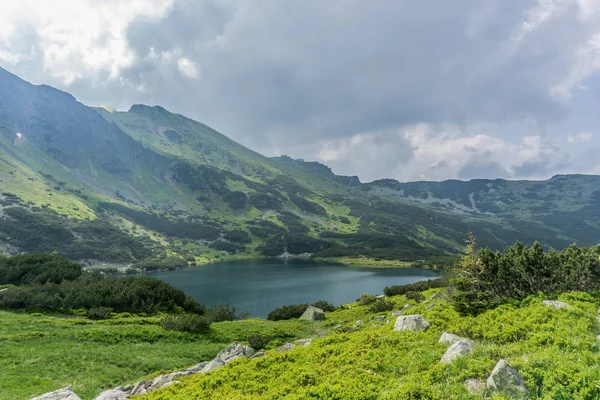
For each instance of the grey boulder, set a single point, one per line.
(233, 351)
(555, 304)
(287, 347)
(60, 394)
(313, 314)
(506, 379)
(449, 338)
(113, 394)
(411, 323)
(457, 350)
(212, 365)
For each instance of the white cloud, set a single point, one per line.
(412, 90)
(579, 137)
(77, 38)
(187, 68)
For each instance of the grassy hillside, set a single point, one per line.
(556, 352)
(41, 353)
(147, 184)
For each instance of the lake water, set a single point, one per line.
(262, 285)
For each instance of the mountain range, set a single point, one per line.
(98, 185)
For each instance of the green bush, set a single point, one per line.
(99, 313)
(324, 305)
(287, 312)
(258, 341)
(193, 323)
(365, 299)
(416, 296)
(381, 306)
(221, 313)
(483, 279)
(415, 287)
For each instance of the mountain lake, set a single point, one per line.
(259, 286)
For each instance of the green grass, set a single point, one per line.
(41, 353)
(555, 351)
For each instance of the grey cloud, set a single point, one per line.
(292, 76)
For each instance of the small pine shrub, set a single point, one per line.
(324, 305)
(193, 323)
(365, 299)
(381, 306)
(221, 313)
(416, 296)
(258, 341)
(99, 313)
(287, 312)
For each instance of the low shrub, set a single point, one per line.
(365, 299)
(221, 313)
(193, 323)
(420, 286)
(324, 305)
(381, 306)
(258, 341)
(287, 312)
(416, 296)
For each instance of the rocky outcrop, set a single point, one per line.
(506, 379)
(234, 351)
(458, 349)
(313, 314)
(287, 347)
(113, 394)
(449, 338)
(303, 342)
(60, 394)
(411, 323)
(555, 304)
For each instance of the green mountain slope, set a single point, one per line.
(147, 184)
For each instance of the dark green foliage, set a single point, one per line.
(308, 206)
(46, 231)
(220, 313)
(264, 229)
(414, 287)
(287, 312)
(192, 323)
(381, 306)
(324, 305)
(54, 283)
(365, 299)
(484, 279)
(344, 220)
(37, 268)
(293, 223)
(201, 178)
(162, 224)
(169, 263)
(229, 247)
(99, 313)
(258, 341)
(235, 200)
(416, 296)
(265, 201)
(238, 236)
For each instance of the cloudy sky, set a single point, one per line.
(405, 89)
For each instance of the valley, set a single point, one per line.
(138, 188)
